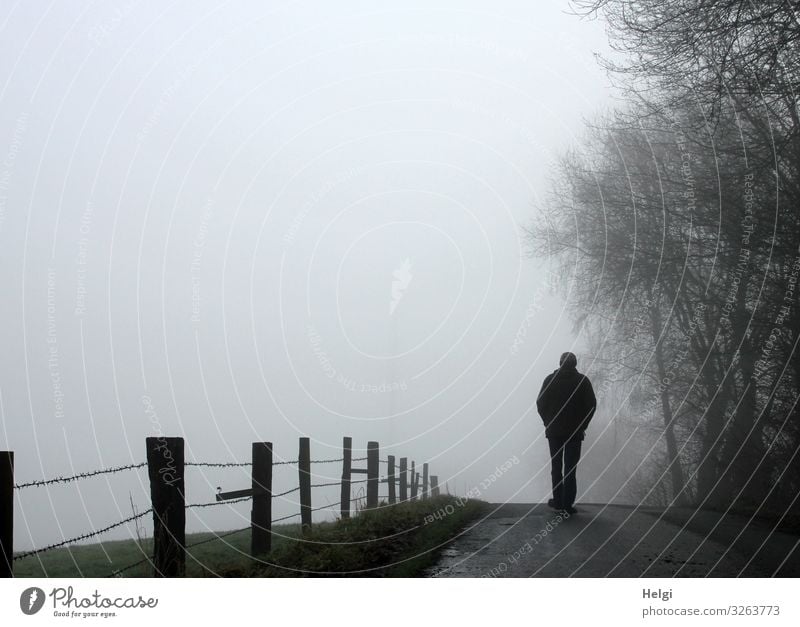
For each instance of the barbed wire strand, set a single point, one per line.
(286, 492)
(276, 495)
(284, 518)
(288, 462)
(117, 572)
(215, 503)
(84, 536)
(325, 485)
(217, 537)
(82, 475)
(116, 469)
(218, 464)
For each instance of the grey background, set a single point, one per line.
(202, 208)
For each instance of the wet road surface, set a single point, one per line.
(532, 540)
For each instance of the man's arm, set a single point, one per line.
(543, 401)
(590, 401)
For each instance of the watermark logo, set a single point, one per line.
(67, 604)
(402, 279)
(31, 600)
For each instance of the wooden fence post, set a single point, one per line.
(391, 479)
(261, 514)
(373, 470)
(413, 482)
(6, 513)
(424, 481)
(167, 493)
(403, 479)
(347, 465)
(304, 466)
(434, 486)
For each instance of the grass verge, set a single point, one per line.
(102, 559)
(393, 540)
(400, 540)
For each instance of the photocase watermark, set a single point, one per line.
(20, 128)
(789, 298)
(82, 258)
(327, 187)
(643, 322)
(460, 40)
(348, 383)
(98, 33)
(535, 306)
(198, 245)
(169, 472)
(687, 173)
(53, 366)
(748, 221)
(672, 368)
(748, 224)
(499, 471)
(447, 510)
(612, 376)
(520, 131)
(166, 96)
(528, 546)
(401, 280)
(475, 492)
(31, 600)
(67, 604)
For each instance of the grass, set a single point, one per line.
(102, 559)
(391, 540)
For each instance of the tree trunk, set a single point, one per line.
(744, 448)
(673, 457)
(708, 477)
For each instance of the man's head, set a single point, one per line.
(568, 360)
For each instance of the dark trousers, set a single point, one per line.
(564, 456)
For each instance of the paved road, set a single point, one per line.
(531, 540)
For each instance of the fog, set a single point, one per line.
(236, 223)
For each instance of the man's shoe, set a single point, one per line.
(569, 509)
(552, 503)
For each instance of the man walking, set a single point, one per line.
(566, 404)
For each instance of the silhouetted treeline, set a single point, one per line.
(676, 225)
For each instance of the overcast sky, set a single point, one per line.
(254, 221)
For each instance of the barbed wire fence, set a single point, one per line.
(220, 536)
(166, 471)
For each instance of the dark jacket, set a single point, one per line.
(566, 403)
